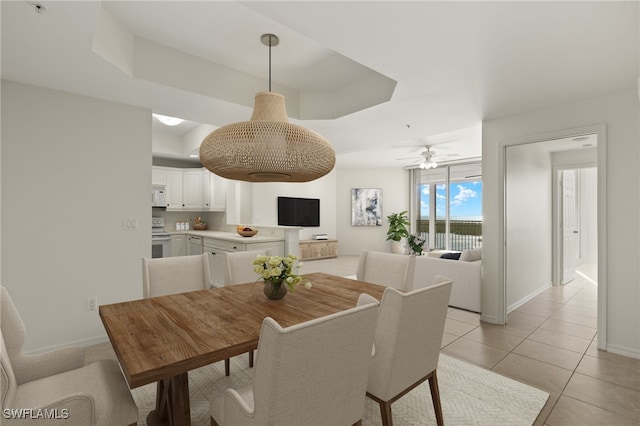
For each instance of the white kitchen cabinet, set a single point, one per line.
(174, 189)
(195, 245)
(216, 264)
(214, 191)
(216, 249)
(192, 190)
(159, 176)
(178, 245)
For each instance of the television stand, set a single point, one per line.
(318, 249)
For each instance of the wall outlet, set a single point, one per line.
(92, 304)
(131, 224)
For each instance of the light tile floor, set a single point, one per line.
(549, 343)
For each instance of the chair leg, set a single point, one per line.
(435, 397)
(227, 367)
(251, 359)
(385, 413)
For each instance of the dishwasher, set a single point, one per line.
(195, 245)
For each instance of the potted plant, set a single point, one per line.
(416, 242)
(398, 223)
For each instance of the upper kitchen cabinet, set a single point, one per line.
(215, 191)
(191, 189)
(159, 176)
(174, 189)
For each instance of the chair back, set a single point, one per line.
(239, 266)
(315, 372)
(408, 336)
(8, 383)
(13, 329)
(170, 275)
(388, 269)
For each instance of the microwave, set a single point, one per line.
(159, 196)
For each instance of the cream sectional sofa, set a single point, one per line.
(466, 276)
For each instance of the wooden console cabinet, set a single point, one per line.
(318, 249)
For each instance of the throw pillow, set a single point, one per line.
(452, 256)
(471, 255)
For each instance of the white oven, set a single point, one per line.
(160, 240)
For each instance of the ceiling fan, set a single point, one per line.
(427, 157)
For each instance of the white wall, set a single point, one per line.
(620, 112)
(394, 183)
(73, 169)
(264, 203)
(167, 143)
(529, 223)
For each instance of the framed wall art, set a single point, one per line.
(366, 207)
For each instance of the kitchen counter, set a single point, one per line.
(231, 236)
(215, 244)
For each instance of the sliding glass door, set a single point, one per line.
(447, 206)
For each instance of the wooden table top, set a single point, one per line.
(165, 336)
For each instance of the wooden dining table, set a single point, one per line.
(161, 339)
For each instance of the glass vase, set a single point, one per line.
(274, 289)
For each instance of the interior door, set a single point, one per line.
(570, 236)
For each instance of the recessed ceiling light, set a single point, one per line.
(169, 121)
(194, 156)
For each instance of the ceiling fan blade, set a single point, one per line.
(409, 158)
(445, 155)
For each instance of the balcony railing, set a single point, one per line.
(464, 234)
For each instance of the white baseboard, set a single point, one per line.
(527, 298)
(490, 320)
(82, 343)
(624, 351)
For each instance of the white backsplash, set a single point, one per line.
(214, 220)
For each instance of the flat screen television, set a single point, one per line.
(298, 211)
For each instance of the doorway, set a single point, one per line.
(527, 239)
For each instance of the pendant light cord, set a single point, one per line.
(269, 40)
(270, 62)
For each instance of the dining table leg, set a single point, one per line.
(172, 402)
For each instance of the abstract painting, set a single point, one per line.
(366, 207)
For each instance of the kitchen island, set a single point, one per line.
(277, 241)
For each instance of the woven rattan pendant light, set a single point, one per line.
(267, 148)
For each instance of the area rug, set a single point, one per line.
(470, 396)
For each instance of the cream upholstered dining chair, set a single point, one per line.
(57, 382)
(171, 275)
(239, 268)
(313, 373)
(407, 345)
(388, 269)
